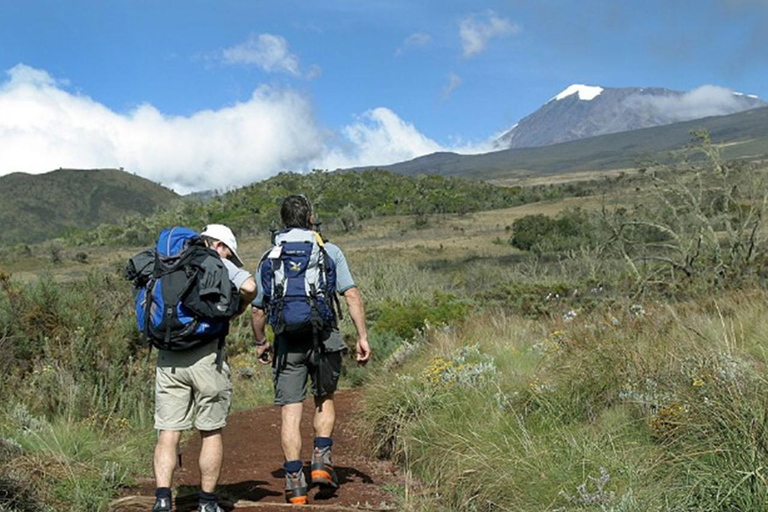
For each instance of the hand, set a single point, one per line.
(264, 352)
(363, 351)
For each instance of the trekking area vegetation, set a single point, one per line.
(592, 346)
(341, 199)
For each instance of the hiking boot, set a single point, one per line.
(162, 505)
(322, 468)
(296, 488)
(209, 507)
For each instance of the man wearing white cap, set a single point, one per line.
(196, 382)
(221, 239)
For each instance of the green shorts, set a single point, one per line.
(295, 361)
(191, 389)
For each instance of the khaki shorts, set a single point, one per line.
(190, 389)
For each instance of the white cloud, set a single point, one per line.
(415, 40)
(704, 101)
(268, 51)
(477, 31)
(44, 127)
(379, 137)
(454, 82)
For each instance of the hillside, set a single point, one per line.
(341, 200)
(742, 135)
(37, 207)
(582, 111)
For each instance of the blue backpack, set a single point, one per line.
(299, 282)
(184, 297)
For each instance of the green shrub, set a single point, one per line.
(570, 230)
(405, 319)
(75, 347)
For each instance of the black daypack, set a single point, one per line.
(184, 297)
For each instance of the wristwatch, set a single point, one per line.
(261, 343)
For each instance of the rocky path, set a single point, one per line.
(252, 477)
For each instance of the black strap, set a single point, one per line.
(331, 296)
(314, 311)
(335, 303)
(148, 291)
(276, 303)
(318, 327)
(317, 349)
(279, 325)
(220, 351)
(168, 314)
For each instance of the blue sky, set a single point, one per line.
(249, 88)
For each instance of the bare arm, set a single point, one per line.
(258, 325)
(357, 312)
(247, 294)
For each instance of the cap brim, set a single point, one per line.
(236, 259)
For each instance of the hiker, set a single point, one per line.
(193, 386)
(297, 282)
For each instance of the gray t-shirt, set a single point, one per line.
(237, 275)
(344, 279)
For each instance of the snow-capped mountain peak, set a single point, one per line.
(585, 92)
(586, 111)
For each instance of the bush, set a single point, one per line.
(349, 218)
(570, 230)
(530, 230)
(75, 347)
(405, 319)
(698, 227)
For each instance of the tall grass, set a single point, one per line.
(634, 408)
(77, 393)
(77, 382)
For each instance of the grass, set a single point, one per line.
(617, 410)
(73, 465)
(502, 380)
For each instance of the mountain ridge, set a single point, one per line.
(745, 135)
(36, 207)
(581, 111)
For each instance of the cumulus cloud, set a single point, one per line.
(704, 101)
(477, 30)
(267, 51)
(415, 40)
(44, 126)
(454, 82)
(379, 137)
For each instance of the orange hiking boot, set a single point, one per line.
(296, 488)
(322, 468)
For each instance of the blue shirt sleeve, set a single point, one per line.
(344, 279)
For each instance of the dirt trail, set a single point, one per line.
(252, 477)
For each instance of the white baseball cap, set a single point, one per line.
(223, 234)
